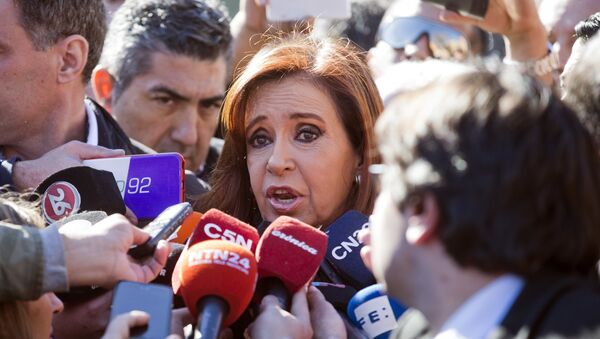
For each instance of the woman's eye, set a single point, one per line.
(308, 134)
(258, 140)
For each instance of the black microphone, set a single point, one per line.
(343, 249)
(77, 189)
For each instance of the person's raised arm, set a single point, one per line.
(251, 29)
(518, 21)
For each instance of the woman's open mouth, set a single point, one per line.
(283, 199)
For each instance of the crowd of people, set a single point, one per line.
(472, 144)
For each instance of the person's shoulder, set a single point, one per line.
(111, 135)
(194, 187)
(140, 148)
(561, 307)
(575, 311)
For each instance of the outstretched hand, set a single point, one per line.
(97, 255)
(30, 173)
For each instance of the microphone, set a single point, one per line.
(217, 284)
(215, 224)
(288, 256)
(186, 229)
(343, 250)
(78, 189)
(371, 310)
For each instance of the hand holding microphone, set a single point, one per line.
(310, 316)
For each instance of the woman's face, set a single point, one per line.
(300, 160)
(40, 314)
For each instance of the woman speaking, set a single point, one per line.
(299, 141)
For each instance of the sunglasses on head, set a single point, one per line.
(444, 41)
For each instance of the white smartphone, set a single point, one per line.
(292, 10)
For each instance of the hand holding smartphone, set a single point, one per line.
(161, 228)
(156, 300)
(473, 8)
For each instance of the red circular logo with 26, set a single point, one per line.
(60, 200)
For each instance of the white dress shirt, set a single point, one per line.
(479, 315)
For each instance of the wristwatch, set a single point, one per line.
(539, 67)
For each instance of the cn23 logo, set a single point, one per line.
(135, 185)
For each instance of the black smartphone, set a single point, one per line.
(156, 300)
(475, 8)
(161, 228)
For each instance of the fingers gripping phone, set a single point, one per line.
(161, 228)
(153, 299)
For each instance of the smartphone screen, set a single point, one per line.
(156, 300)
(148, 183)
(285, 10)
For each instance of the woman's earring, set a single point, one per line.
(357, 179)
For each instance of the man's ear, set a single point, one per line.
(73, 54)
(423, 219)
(102, 84)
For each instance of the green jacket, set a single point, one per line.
(21, 263)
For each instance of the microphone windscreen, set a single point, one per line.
(215, 224)
(222, 269)
(291, 251)
(343, 249)
(92, 216)
(187, 228)
(79, 189)
(371, 310)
